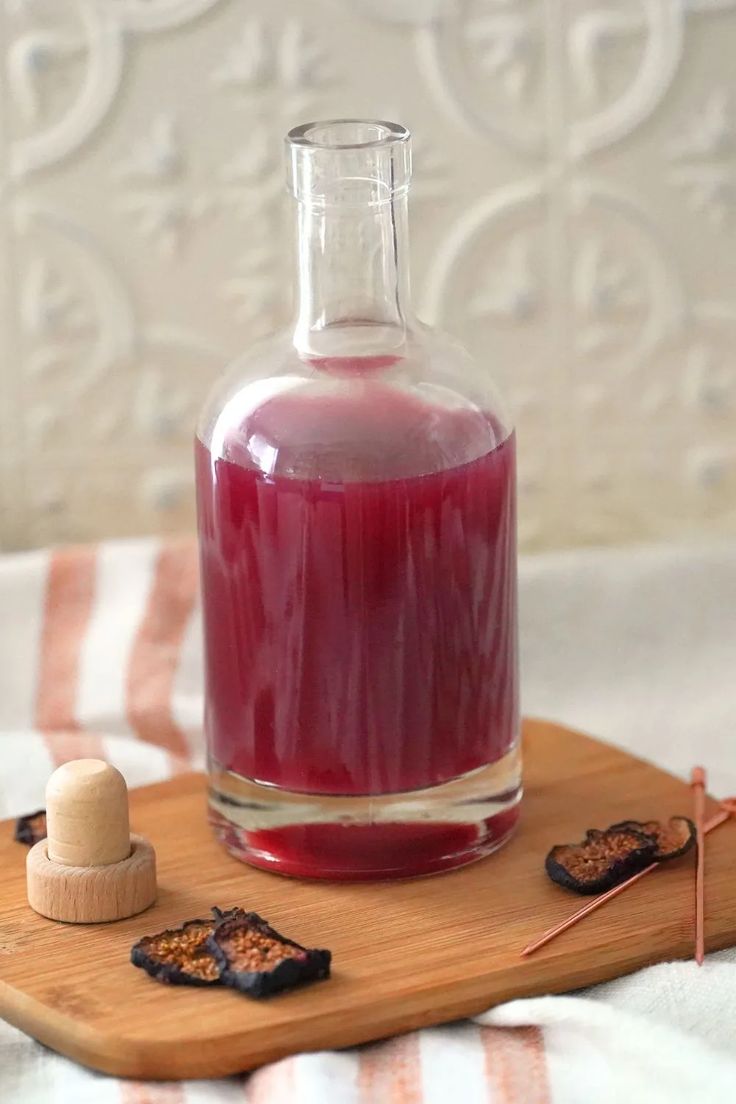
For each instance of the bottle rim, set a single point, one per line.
(347, 134)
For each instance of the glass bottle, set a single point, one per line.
(356, 510)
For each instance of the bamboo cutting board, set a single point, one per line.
(405, 954)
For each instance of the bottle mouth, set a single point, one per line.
(347, 134)
(348, 161)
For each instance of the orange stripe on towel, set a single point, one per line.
(149, 1092)
(272, 1084)
(391, 1072)
(155, 653)
(70, 589)
(515, 1064)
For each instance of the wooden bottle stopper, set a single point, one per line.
(89, 868)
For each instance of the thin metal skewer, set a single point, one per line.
(728, 810)
(697, 780)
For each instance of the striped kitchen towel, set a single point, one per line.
(100, 656)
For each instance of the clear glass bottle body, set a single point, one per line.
(356, 505)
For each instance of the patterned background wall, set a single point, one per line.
(573, 219)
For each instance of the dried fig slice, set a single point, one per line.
(672, 838)
(179, 956)
(602, 860)
(31, 828)
(254, 958)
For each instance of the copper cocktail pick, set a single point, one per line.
(728, 809)
(697, 781)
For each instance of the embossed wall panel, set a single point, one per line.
(573, 219)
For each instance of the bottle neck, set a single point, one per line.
(353, 278)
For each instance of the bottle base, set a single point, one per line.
(400, 835)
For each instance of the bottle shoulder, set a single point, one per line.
(424, 408)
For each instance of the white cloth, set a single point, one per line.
(100, 653)
(666, 1035)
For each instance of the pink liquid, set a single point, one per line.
(360, 636)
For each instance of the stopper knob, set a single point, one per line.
(87, 814)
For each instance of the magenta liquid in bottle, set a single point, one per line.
(356, 498)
